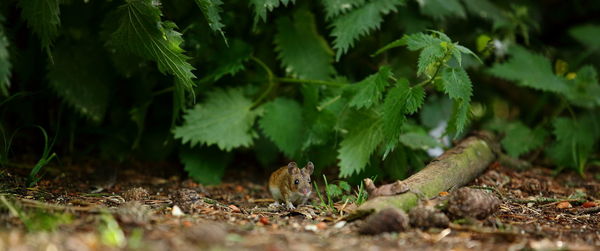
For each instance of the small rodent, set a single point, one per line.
(291, 185)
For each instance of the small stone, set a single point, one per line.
(135, 194)
(177, 212)
(387, 220)
(311, 227)
(443, 193)
(563, 205)
(340, 224)
(427, 217)
(473, 203)
(321, 225)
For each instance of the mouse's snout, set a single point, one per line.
(305, 190)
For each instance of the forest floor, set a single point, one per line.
(539, 211)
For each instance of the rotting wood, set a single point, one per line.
(455, 168)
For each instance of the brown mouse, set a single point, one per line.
(291, 185)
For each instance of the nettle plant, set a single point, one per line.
(370, 117)
(257, 79)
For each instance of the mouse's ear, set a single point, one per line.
(310, 167)
(291, 167)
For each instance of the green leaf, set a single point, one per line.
(420, 41)
(370, 89)
(584, 90)
(225, 120)
(232, 60)
(394, 108)
(457, 84)
(211, 10)
(459, 118)
(575, 140)
(428, 57)
(530, 70)
(363, 137)
(414, 99)
(205, 165)
(520, 139)
(282, 123)
(303, 52)
(334, 8)
(262, 6)
(141, 32)
(79, 76)
(5, 65)
(440, 9)
(418, 141)
(359, 22)
(587, 34)
(43, 18)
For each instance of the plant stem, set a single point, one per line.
(270, 80)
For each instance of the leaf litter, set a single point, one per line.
(236, 215)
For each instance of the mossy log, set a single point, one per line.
(455, 168)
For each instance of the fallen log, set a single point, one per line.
(455, 168)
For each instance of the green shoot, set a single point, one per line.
(44, 160)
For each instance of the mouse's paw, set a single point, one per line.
(289, 205)
(274, 205)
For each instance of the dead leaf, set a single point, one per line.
(563, 205)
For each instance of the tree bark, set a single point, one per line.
(455, 168)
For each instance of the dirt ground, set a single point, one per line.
(539, 211)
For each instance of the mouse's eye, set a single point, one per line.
(296, 181)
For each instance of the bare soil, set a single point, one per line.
(539, 210)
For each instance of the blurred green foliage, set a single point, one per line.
(364, 85)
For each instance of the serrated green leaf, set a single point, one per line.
(80, 79)
(205, 165)
(394, 108)
(530, 70)
(587, 34)
(370, 89)
(225, 120)
(575, 140)
(141, 32)
(232, 60)
(261, 7)
(457, 84)
(584, 90)
(43, 17)
(282, 124)
(442, 9)
(359, 22)
(303, 52)
(320, 129)
(520, 139)
(465, 50)
(334, 8)
(363, 137)
(414, 99)
(5, 65)
(418, 141)
(394, 44)
(459, 118)
(429, 56)
(211, 10)
(420, 40)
